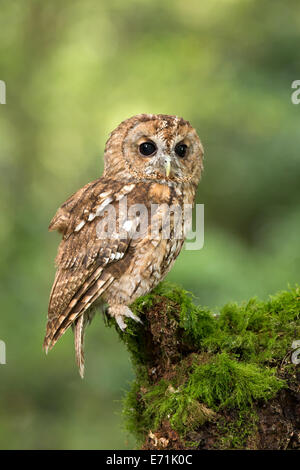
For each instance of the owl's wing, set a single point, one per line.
(85, 262)
(62, 218)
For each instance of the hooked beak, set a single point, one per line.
(167, 166)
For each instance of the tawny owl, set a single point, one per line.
(110, 252)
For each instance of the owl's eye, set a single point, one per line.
(147, 148)
(180, 150)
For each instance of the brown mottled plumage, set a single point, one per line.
(116, 270)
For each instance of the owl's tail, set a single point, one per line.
(79, 327)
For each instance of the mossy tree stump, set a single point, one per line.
(213, 381)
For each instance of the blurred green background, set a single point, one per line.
(73, 71)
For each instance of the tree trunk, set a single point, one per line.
(214, 381)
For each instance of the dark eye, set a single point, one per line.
(180, 150)
(147, 148)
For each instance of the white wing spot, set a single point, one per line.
(103, 205)
(91, 216)
(128, 188)
(106, 193)
(79, 226)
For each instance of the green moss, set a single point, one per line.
(257, 331)
(133, 413)
(145, 410)
(224, 362)
(226, 382)
(197, 322)
(235, 433)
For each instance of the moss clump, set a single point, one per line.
(235, 433)
(194, 367)
(227, 382)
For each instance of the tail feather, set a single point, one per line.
(79, 327)
(56, 327)
(78, 316)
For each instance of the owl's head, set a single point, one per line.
(154, 146)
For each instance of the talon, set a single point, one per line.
(122, 325)
(136, 318)
(128, 313)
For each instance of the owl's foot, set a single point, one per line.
(121, 311)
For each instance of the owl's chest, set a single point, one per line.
(155, 254)
(155, 244)
(150, 263)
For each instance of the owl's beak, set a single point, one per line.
(167, 166)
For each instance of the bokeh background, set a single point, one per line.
(73, 71)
